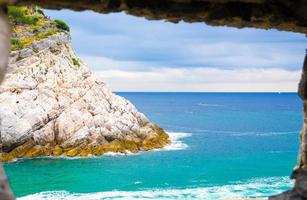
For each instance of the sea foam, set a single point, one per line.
(176, 144)
(253, 188)
(176, 141)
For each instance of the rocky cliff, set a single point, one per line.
(52, 105)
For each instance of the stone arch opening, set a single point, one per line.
(282, 15)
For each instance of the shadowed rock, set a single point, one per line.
(4, 43)
(265, 14)
(5, 191)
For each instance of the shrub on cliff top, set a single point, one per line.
(61, 25)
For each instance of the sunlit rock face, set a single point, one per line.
(265, 14)
(52, 105)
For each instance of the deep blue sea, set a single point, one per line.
(224, 145)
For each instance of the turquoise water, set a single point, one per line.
(225, 145)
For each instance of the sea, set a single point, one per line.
(224, 146)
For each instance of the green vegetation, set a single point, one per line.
(16, 44)
(35, 31)
(15, 41)
(76, 62)
(22, 15)
(46, 34)
(29, 24)
(20, 43)
(61, 25)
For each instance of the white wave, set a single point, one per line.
(264, 134)
(127, 153)
(114, 154)
(90, 156)
(254, 188)
(280, 152)
(248, 133)
(209, 105)
(176, 142)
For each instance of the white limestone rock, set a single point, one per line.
(48, 99)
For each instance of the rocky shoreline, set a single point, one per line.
(31, 149)
(52, 105)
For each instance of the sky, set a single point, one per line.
(133, 54)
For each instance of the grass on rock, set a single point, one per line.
(29, 24)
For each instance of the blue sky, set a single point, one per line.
(134, 54)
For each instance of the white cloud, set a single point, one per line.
(103, 63)
(187, 44)
(251, 55)
(133, 54)
(202, 79)
(144, 76)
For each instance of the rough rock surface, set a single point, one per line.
(51, 104)
(299, 192)
(265, 14)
